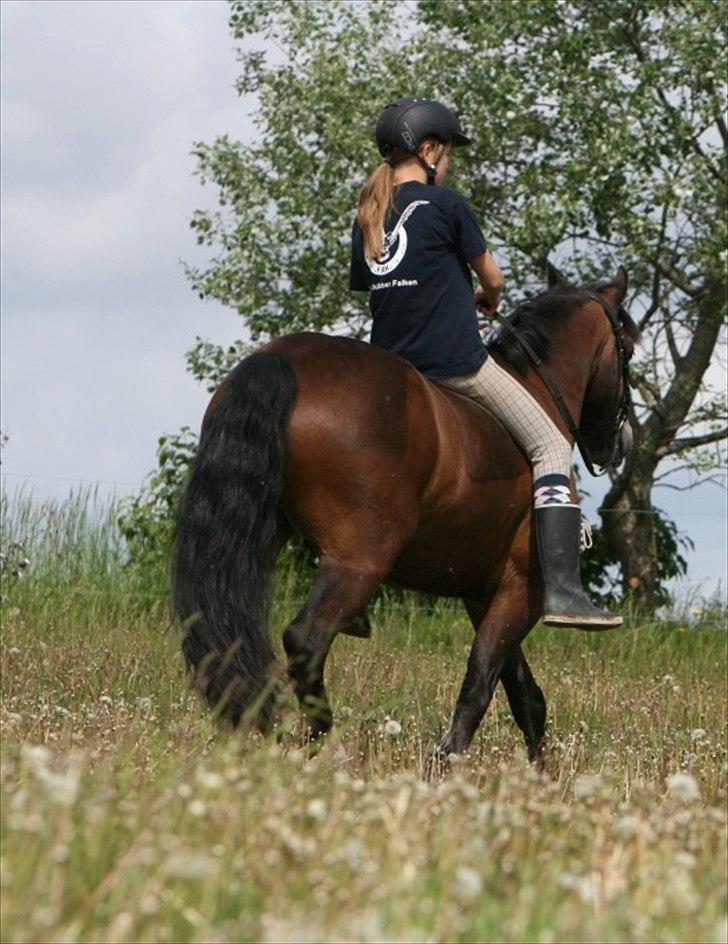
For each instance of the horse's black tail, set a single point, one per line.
(227, 535)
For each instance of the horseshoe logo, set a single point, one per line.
(395, 244)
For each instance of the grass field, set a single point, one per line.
(127, 815)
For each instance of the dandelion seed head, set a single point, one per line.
(625, 827)
(190, 865)
(468, 885)
(317, 810)
(588, 786)
(197, 808)
(682, 787)
(208, 779)
(684, 860)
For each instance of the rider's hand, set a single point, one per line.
(483, 304)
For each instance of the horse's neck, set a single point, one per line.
(574, 347)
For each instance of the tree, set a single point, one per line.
(600, 139)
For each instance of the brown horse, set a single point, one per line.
(387, 477)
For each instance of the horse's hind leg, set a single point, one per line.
(527, 702)
(338, 599)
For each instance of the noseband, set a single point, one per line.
(618, 421)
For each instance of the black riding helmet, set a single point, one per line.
(405, 124)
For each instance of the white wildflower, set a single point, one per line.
(683, 787)
(209, 779)
(35, 755)
(197, 808)
(106, 700)
(697, 735)
(581, 884)
(190, 865)
(684, 860)
(149, 905)
(625, 827)
(317, 810)
(587, 786)
(61, 788)
(392, 728)
(468, 885)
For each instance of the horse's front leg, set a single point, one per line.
(499, 629)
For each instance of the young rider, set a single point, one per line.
(414, 242)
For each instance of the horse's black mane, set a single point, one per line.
(534, 317)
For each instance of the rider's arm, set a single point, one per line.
(487, 296)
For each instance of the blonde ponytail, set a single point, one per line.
(375, 201)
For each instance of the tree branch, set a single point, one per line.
(655, 293)
(715, 479)
(679, 280)
(671, 343)
(690, 442)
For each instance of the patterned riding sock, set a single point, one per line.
(554, 489)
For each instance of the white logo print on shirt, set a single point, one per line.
(395, 243)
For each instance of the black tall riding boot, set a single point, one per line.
(565, 603)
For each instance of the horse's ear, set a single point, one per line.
(618, 289)
(554, 277)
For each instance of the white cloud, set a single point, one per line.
(101, 102)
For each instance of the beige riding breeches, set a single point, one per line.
(546, 448)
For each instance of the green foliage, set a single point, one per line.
(147, 520)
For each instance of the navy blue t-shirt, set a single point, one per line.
(421, 290)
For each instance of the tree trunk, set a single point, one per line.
(628, 525)
(628, 519)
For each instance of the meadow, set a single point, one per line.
(129, 814)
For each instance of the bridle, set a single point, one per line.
(616, 424)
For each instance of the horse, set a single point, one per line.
(387, 477)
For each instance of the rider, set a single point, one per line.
(412, 243)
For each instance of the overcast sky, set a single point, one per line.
(101, 102)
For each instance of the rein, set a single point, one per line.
(547, 377)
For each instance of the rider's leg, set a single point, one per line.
(558, 519)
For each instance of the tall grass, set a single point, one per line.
(128, 815)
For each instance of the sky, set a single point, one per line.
(101, 103)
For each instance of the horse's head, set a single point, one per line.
(604, 423)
